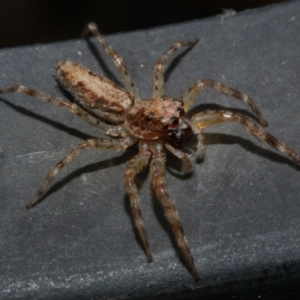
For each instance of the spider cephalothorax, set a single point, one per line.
(155, 119)
(157, 124)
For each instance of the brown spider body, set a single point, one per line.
(157, 124)
(150, 119)
(155, 119)
(97, 94)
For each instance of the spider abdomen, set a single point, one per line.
(97, 94)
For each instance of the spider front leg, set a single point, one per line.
(71, 107)
(117, 59)
(136, 165)
(209, 118)
(104, 144)
(159, 68)
(190, 95)
(186, 162)
(158, 170)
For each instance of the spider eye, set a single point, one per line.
(181, 112)
(148, 118)
(166, 125)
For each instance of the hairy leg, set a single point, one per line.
(158, 170)
(190, 95)
(187, 164)
(70, 106)
(135, 165)
(103, 144)
(210, 118)
(117, 59)
(159, 68)
(200, 137)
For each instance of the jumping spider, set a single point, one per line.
(156, 124)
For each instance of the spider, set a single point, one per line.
(156, 124)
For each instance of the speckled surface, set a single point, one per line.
(240, 208)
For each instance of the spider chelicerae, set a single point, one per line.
(156, 124)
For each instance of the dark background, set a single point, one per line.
(42, 21)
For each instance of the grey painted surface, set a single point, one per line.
(240, 208)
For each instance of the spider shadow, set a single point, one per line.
(248, 145)
(106, 70)
(57, 125)
(213, 139)
(115, 161)
(93, 167)
(96, 53)
(174, 166)
(217, 107)
(245, 143)
(209, 139)
(176, 60)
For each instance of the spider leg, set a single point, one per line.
(159, 68)
(105, 144)
(210, 118)
(187, 164)
(158, 169)
(70, 106)
(117, 59)
(190, 95)
(200, 137)
(135, 165)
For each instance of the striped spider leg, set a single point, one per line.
(209, 118)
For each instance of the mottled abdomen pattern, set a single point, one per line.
(97, 94)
